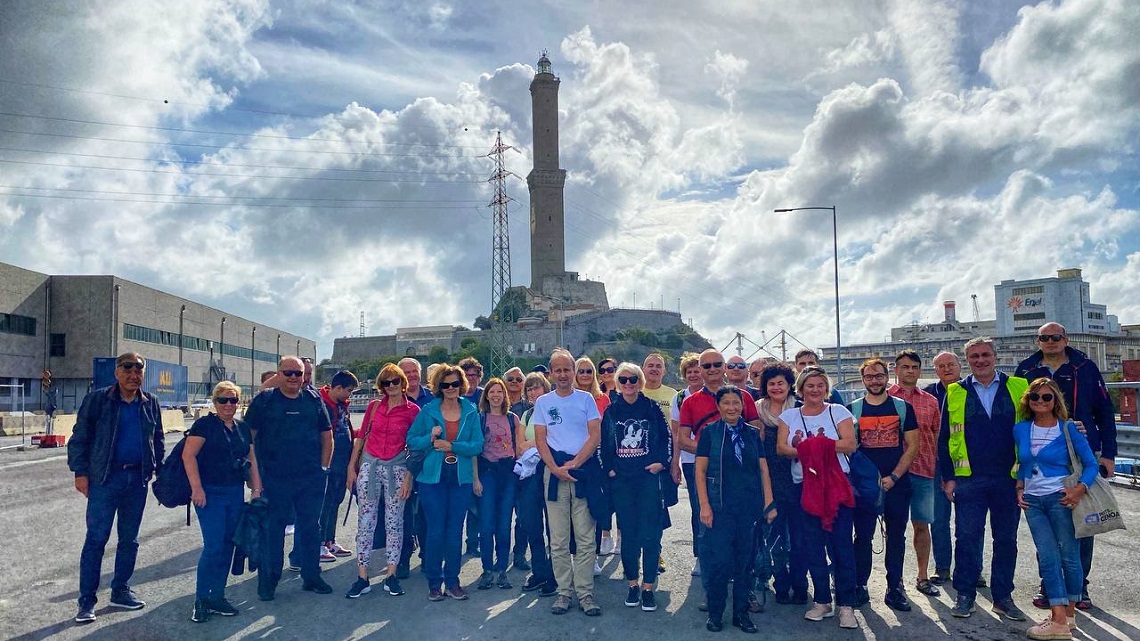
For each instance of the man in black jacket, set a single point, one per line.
(116, 446)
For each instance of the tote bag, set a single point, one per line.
(1098, 511)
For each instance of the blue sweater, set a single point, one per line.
(468, 442)
(1053, 459)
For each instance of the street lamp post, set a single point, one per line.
(835, 249)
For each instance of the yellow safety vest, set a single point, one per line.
(956, 411)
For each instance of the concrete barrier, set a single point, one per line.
(172, 421)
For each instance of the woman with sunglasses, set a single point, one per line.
(607, 369)
(532, 498)
(731, 475)
(383, 472)
(447, 430)
(218, 457)
(495, 484)
(636, 445)
(1042, 465)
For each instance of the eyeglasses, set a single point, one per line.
(389, 382)
(445, 385)
(737, 366)
(874, 377)
(607, 370)
(473, 372)
(1034, 396)
(225, 400)
(628, 380)
(292, 373)
(1045, 338)
(585, 371)
(717, 364)
(126, 367)
(513, 379)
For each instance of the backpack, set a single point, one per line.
(864, 475)
(171, 486)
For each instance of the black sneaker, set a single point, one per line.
(633, 597)
(392, 586)
(799, 598)
(503, 581)
(126, 600)
(403, 570)
(201, 613)
(963, 608)
(648, 601)
(221, 607)
(940, 576)
(317, 585)
(521, 564)
(362, 586)
(532, 583)
(896, 600)
(266, 593)
(981, 582)
(744, 622)
(86, 614)
(550, 588)
(486, 580)
(783, 598)
(862, 597)
(713, 625)
(1007, 608)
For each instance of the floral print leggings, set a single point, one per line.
(376, 479)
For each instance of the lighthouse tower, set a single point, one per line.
(546, 181)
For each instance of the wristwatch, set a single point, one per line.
(894, 478)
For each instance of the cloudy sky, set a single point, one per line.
(298, 162)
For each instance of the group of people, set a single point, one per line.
(775, 465)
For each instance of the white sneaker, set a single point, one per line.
(597, 568)
(696, 568)
(326, 556)
(607, 546)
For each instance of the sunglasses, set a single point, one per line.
(1045, 338)
(126, 367)
(445, 385)
(737, 366)
(755, 374)
(225, 400)
(712, 365)
(1034, 396)
(607, 370)
(292, 373)
(585, 371)
(628, 380)
(389, 382)
(514, 380)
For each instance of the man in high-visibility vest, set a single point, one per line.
(976, 457)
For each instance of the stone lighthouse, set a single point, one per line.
(546, 181)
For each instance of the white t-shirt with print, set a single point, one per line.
(824, 424)
(566, 418)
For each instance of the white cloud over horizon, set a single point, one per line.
(297, 164)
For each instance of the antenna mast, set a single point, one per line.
(500, 257)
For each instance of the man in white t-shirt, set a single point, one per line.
(567, 428)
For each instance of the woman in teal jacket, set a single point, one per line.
(448, 430)
(1043, 463)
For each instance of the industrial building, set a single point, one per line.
(62, 323)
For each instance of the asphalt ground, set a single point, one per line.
(42, 530)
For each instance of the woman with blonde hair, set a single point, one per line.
(218, 457)
(380, 450)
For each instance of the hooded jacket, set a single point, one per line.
(1085, 394)
(634, 436)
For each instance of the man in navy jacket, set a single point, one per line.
(116, 446)
(1087, 398)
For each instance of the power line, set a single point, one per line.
(230, 133)
(288, 199)
(221, 147)
(216, 204)
(225, 175)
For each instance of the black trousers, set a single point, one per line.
(726, 552)
(303, 497)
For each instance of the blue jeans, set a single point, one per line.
(532, 503)
(218, 520)
(495, 508)
(120, 500)
(301, 498)
(444, 505)
(974, 497)
(788, 553)
(1058, 553)
(839, 546)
